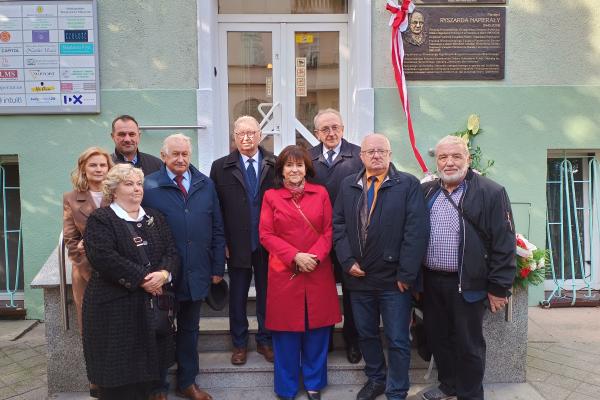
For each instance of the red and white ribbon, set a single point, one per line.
(399, 23)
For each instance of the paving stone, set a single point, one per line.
(578, 354)
(35, 394)
(551, 392)
(589, 389)
(5, 360)
(13, 348)
(23, 355)
(579, 396)
(28, 386)
(15, 377)
(537, 375)
(33, 361)
(564, 382)
(539, 345)
(7, 393)
(10, 369)
(556, 368)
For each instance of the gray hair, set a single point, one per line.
(451, 139)
(327, 111)
(374, 134)
(245, 118)
(176, 136)
(116, 175)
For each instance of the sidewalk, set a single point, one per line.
(563, 363)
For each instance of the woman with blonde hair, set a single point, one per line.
(133, 254)
(92, 166)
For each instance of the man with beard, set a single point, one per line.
(470, 259)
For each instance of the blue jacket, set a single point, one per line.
(397, 236)
(197, 227)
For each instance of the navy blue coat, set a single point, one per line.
(197, 227)
(397, 237)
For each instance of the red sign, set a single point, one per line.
(9, 74)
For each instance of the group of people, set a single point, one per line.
(296, 224)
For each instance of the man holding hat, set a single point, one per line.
(190, 204)
(242, 178)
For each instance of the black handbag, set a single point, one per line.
(162, 306)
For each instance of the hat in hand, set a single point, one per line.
(217, 295)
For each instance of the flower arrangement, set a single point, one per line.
(467, 135)
(531, 263)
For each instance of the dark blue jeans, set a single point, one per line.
(394, 308)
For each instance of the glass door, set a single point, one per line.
(282, 74)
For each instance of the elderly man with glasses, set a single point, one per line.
(334, 159)
(380, 232)
(241, 179)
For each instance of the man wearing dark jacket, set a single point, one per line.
(126, 135)
(380, 228)
(189, 202)
(470, 259)
(333, 160)
(241, 179)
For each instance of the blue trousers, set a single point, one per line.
(394, 308)
(300, 353)
(188, 318)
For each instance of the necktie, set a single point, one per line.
(371, 193)
(179, 181)
(330, 154)
(251, 172)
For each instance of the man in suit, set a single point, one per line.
(241, 179)
(126, 135)
(334, 159)
(189, 201)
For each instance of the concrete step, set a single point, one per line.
(216, 371)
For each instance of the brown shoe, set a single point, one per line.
(266, 351)
(193, 392)
(239, 356)
(158, 396)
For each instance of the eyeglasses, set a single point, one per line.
(327, 129)
(373, 152)
(250, 134)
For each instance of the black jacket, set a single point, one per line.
(119, 341)
(488, 248)
(346, 163)
(397, 237)
(147, 162)
(227, 174)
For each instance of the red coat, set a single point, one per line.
(284, 232)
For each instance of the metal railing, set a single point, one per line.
(568, 251)
(11, 292)
(62, 276)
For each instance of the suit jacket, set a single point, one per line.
(346, 163)
(77, 207)
(197, 226)
(147, 162)
(230, 182)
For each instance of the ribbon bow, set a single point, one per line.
(399, 23)
(399, 18)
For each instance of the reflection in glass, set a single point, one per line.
(283, 6)
(249, 68)
(320, 50)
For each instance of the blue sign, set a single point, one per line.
(76, 49)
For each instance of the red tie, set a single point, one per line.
(178, 180)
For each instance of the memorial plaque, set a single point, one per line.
(455, 43)
(425, 2)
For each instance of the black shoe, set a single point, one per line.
(353, 354)
(313, 395)
(370, 391)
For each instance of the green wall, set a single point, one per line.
(48, 147)
(519, 125)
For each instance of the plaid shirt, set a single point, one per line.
(444, 239)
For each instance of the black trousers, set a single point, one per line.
(239, 284)
(454, 329)
(349, 331)
(135, 391)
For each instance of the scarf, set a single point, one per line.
(297, 191)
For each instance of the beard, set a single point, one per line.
(455, 177)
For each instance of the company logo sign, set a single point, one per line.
(40, 36)
(5, 36)
(73, 99)
(11, 74)
(76, 35)
(39, 74)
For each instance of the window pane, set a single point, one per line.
(283, 7)
(250, 74)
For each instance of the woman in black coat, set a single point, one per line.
(123, 353)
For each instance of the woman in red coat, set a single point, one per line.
(302, 303)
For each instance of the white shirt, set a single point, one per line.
(186, 181)
(123, 214)
(97, 197)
